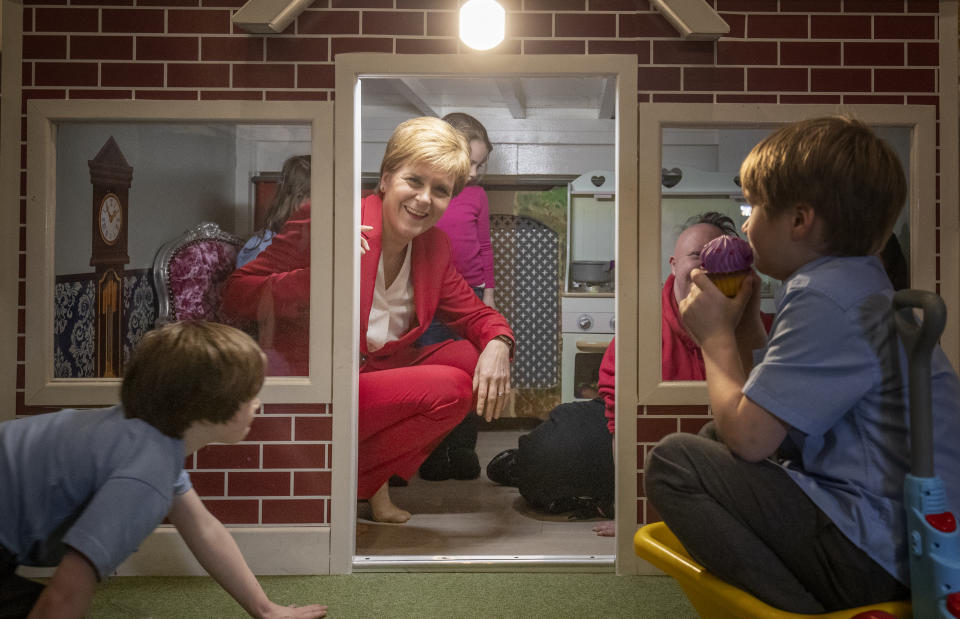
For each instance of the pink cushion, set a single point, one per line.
(197, 274)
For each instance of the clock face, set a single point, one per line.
(111, 218)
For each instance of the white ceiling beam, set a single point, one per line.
(513, 97)
(608, 98)
(405, 87)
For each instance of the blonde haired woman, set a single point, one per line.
(410, 396)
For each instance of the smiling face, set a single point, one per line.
(414, 198)
(686, 255)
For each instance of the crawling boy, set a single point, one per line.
(80, 489)
(794, 491)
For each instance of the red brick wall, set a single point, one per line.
(786, 51)
(280, 474)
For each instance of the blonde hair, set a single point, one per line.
(839, 167)
(431, 141)
(191, 371)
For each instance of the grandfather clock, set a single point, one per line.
(110, 175)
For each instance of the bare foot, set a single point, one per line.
(607, 528)
(383, 508)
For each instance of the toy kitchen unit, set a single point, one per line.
(588, 303)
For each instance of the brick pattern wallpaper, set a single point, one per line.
(280, 474)
(778, 51)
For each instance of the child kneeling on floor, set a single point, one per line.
(81, 489)
(794, 492)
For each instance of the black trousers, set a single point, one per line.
(566, 463)
(749, 524)
(17, 594)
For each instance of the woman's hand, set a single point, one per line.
(488, 299)
(364, 244)
(491, 379)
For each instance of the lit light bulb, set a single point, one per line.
(481, 24)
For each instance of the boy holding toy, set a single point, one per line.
(799, 477)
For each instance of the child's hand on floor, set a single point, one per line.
(296, 612)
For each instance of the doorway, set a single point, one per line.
(548, 128)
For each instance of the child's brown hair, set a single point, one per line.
(838, 166)
(293, 189)
(470, 127)
(191, 371)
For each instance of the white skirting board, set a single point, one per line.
(284, 551)
(269, 551)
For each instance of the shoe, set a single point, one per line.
(503, 469)
(437, 465)
(464, 463)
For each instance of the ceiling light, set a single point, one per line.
(481, 24)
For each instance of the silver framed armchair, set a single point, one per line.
(189, 273)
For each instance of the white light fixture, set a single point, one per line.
(268, 16)
(482, 24)
(695, 20)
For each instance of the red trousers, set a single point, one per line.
(408, 402)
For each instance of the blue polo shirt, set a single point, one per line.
(88, 479)
(835, 371)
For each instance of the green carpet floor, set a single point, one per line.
(413, 595)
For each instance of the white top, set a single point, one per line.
(392, 307)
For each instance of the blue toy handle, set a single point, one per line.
(932, 536)
(919, 341)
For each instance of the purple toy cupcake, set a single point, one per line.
(727, 260)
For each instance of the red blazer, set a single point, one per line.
(438, 289)
(607, 384)
(272, 290)
(681, 357)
